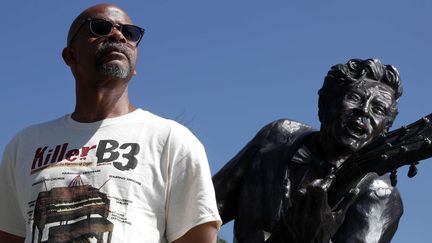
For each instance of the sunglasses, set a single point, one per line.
(101, 27)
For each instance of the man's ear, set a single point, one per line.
(134, 72)
(68, 55)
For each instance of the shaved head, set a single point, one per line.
(94, 11)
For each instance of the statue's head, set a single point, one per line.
(357, 102)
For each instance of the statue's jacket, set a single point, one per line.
(255, 188)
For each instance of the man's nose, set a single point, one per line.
(116, 35)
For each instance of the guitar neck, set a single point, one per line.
(404, 146)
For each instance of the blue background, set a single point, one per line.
(227, 68)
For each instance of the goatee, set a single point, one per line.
(112, 69)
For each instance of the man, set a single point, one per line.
(276, 187)
(109, 171)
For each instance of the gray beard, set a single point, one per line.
(113, 70)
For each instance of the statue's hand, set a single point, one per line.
(310, 218)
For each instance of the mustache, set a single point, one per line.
(110, 46)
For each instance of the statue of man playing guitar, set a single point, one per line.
(292, 183)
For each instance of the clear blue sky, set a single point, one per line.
(226, 68)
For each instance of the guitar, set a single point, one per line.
(404, 146)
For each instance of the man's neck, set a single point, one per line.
(95, 104)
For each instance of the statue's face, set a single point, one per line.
(352, 119)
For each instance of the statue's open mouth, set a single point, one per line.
(357, 129)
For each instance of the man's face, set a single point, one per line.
(358, 115)
(110, 55)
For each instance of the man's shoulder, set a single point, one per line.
(173, 130)
(41, 126)
(33, 132)
(156, 120)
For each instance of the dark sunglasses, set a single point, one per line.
(102, 27)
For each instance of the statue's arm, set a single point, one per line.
(227, 181)
(374, 217)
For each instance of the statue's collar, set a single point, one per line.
(308, 153)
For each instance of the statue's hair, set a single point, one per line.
(354, 72)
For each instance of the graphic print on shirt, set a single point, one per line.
(79, 212)
(107, 152)
(76, 213)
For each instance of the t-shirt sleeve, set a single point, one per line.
(11, 218)
(191, 199)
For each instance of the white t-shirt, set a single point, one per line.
(133, 178)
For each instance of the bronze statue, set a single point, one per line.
(291, 183)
